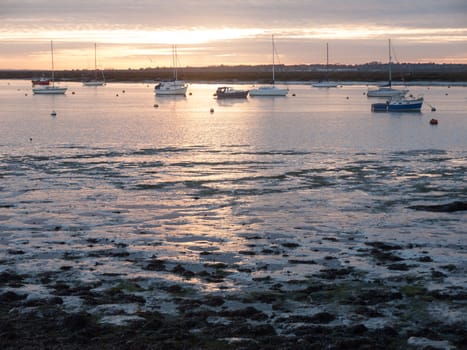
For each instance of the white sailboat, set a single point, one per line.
(387, 90)
(270, 90)
(326, 83)
(95, 81)
(175, 86)
(50, 89)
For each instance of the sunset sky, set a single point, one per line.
(140, 33)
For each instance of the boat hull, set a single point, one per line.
(171, 88)
(269, 91)
(49, 90)
(94, 83)
(397, 107)
(386, 92)
(325, 84)
(41, 81)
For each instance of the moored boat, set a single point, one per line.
(175, 86)
(270, 90)
(399, 104)
(95, 81)
(230, 92)
(40, 81)
(387, 90)
(50, 89)
(326, 83)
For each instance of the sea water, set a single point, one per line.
(119, 176)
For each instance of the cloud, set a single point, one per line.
(234, 31)
(238, 13)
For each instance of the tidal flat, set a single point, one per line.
(303, 222)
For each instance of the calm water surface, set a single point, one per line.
(163, 176)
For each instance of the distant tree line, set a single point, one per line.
(262, 73)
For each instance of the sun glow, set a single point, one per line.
(136, 47)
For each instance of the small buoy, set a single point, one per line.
(72, 92)
(30, 139)
(212, 110)
(116, 95)
(53, 114)
(293, 94)
(156, 105)
(347, 97)
(25, 94)
(123, 91)
(446, 93)
(190, 94)
(433, 109)
(434, 121)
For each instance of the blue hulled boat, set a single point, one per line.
(399, 104)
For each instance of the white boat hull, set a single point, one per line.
(325, 84)
(269, 91)
(386, 92)
(49, 90)
(171, 88)
(94, 83)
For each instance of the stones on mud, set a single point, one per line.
(442, 208)
(373, 296)
(247, 313)
(15, 252)
(9, 297)
(332, 274)
(290, 245)
(382, 251)
(155, 265)
(399, 267)
(180, 270)
(12, 279)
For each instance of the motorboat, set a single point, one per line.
(399, 104)
(387, 90)
(230, 92)
(40, 81)
(50, 89)
(270, 90)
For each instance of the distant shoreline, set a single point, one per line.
(371, 73)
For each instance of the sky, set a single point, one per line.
(141, 33)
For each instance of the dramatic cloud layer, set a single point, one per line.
(139, 32)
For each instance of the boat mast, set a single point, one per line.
(273, 63)
(174, 61)
(52, 52)
(390, 61)
(327, 61)
(95, 61)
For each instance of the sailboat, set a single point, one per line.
(270, 90)
(326, 83)
(95, 81)
(386, 90)
(175, 86)
(50, 89)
